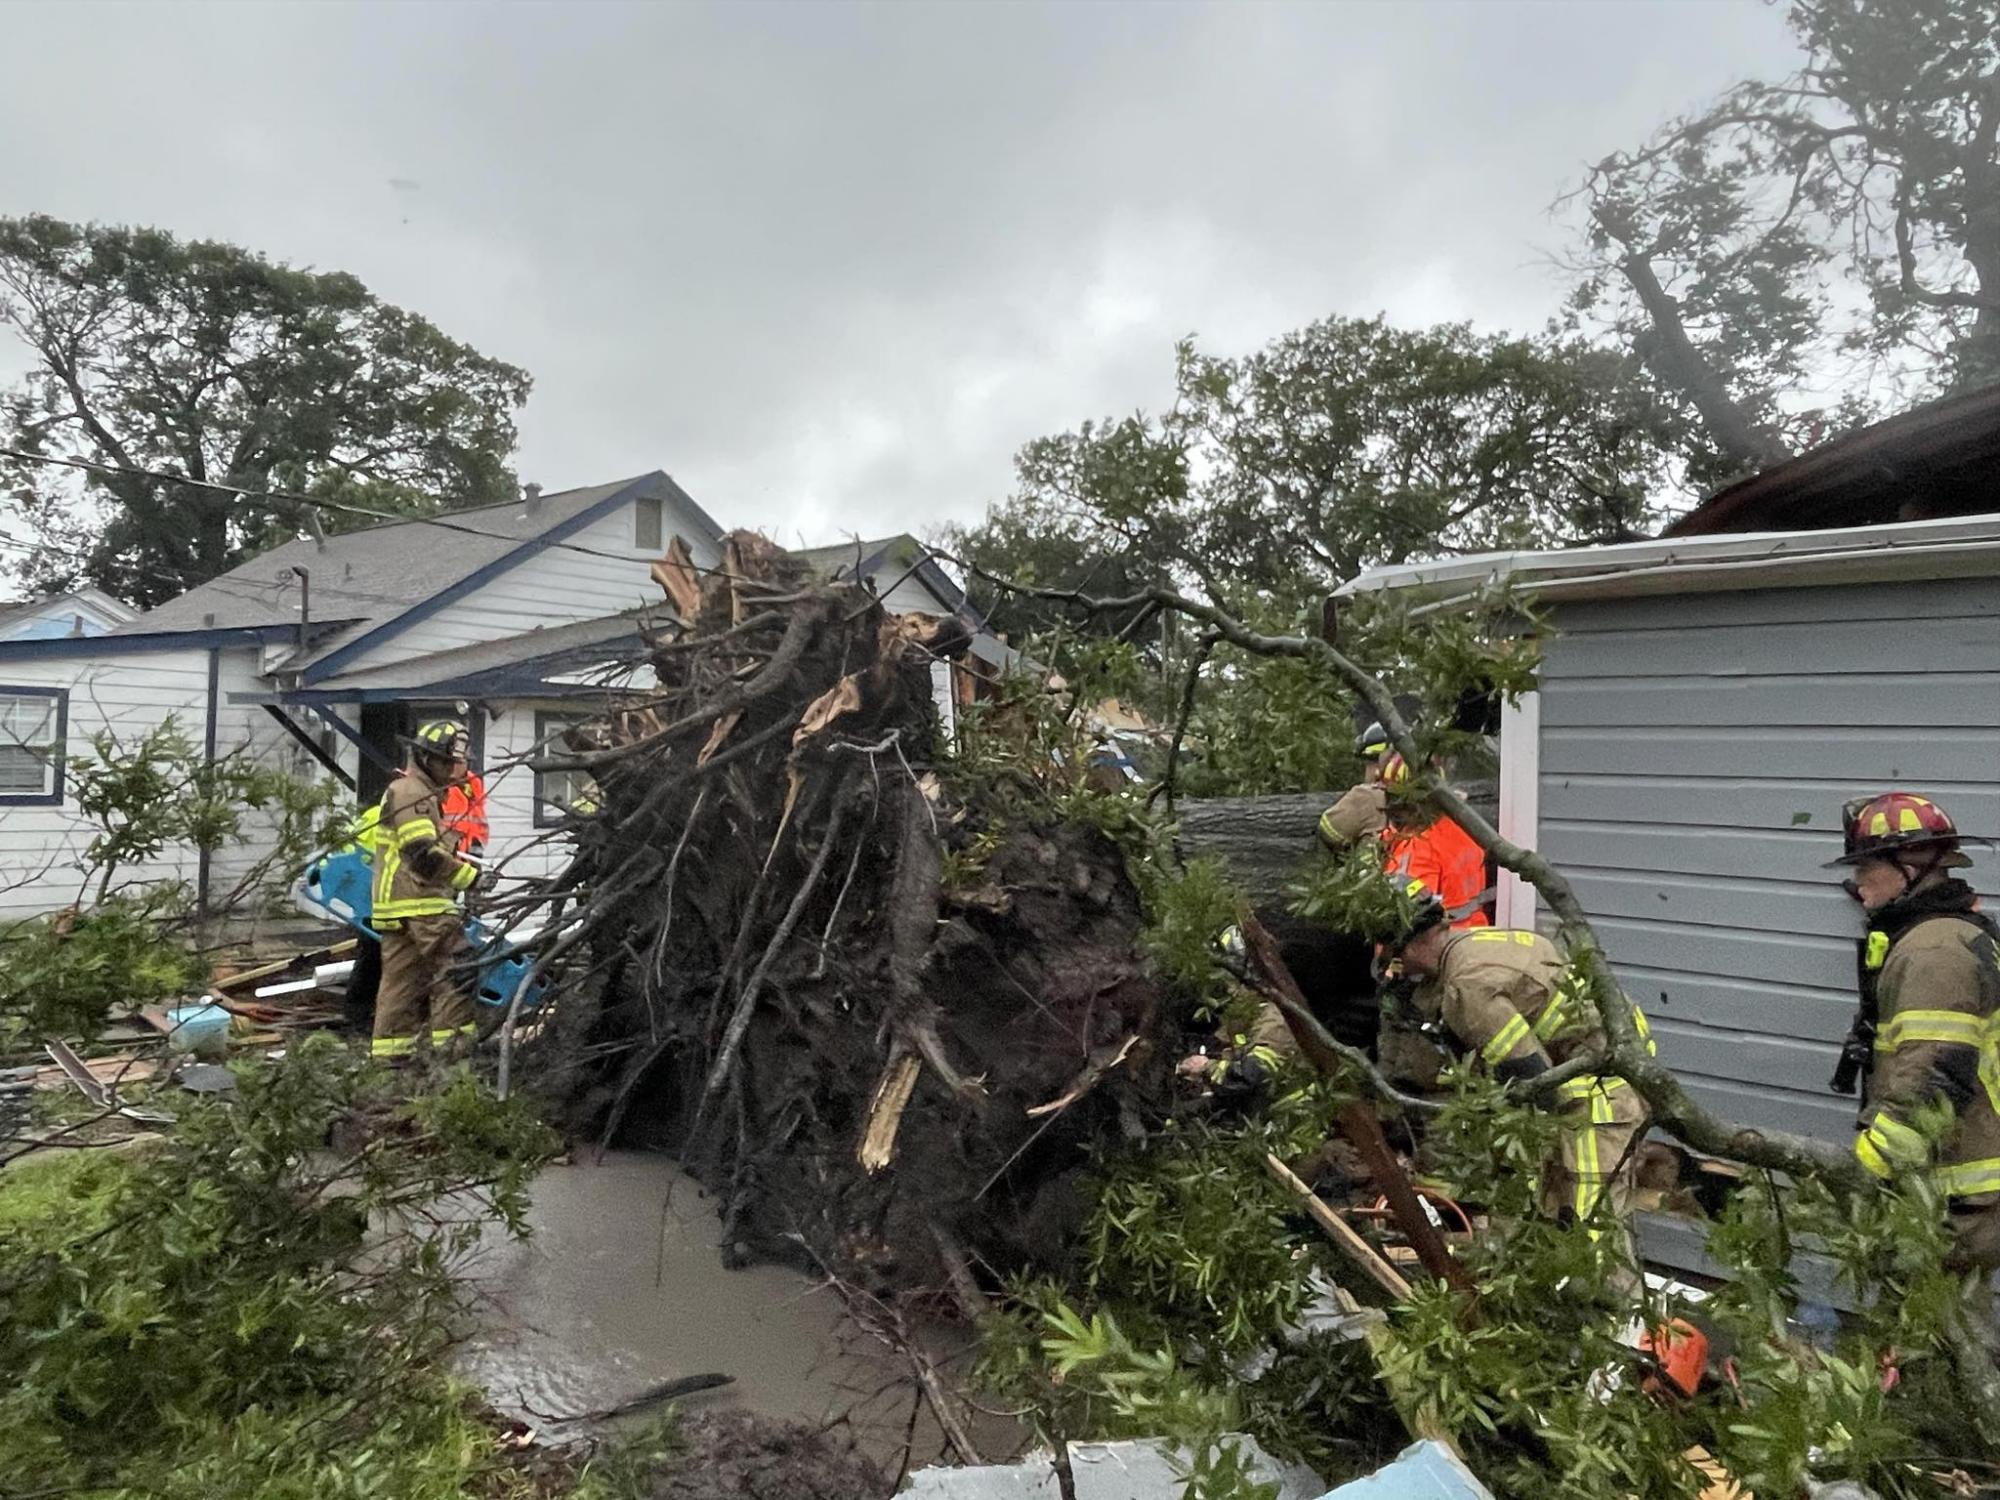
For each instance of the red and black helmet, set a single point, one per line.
(1896, 823)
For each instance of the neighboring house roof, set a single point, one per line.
(1942, 459)
(886, 562)
(382, 579)
(82, 612)
(1958, 547)
(519, 664)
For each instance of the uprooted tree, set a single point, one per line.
(881, 999)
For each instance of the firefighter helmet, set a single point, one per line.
(1373, 742)
(1420, 910)
(442, 739)
(1396, 770)
(1885, 826)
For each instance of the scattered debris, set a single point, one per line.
(1139, 1469)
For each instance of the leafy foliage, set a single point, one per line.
(1839, 222)
(64, 975)
(242, 1312)
(159, 792)
(207, 361)
(1349, 442)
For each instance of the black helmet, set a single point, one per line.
(1421, 909)
(1373, 742)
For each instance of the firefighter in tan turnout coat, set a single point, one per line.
(1511, 1000)
(418, 878)
(1930, 1007)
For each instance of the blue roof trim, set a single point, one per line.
(68, 648)
(656, 482)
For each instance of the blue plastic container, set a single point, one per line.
(200, 1029)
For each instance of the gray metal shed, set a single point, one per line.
(1706, 705)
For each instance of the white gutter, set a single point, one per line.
(1951, 547)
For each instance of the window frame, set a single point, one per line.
(549, 721)
(651, 508)
(58, 746)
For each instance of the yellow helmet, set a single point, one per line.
(444, 738)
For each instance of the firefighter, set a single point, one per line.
(1511, 1000)
(1363, 810)
(1424, 845)
(1418, 842)
(465, 810)
(1930, 996)
(418, 876)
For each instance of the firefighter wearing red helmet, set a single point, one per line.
(1929, 1023)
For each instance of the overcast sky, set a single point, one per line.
(830, 264)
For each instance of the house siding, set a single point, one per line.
(1694, 754)
(42, 848)
(557, 586)
(525, 850)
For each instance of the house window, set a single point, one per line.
(34, 724)
(558, 793)
(649, 524)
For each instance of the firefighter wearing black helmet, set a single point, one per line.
(1363, 809)
(1511, 1000)
(1929, 1029)
(418, 879)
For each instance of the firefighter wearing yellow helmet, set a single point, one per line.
(418, 878)
(1929, 1026)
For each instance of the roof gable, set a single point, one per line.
(381, 580)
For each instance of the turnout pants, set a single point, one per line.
(1598, 1156)
(419, 989)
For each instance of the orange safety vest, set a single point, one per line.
(465, 812)
(1444, 857)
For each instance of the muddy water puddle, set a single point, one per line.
(620, 1288)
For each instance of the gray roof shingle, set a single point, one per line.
(368, 576)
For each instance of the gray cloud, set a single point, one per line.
(831, 264)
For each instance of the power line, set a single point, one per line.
(337, 507)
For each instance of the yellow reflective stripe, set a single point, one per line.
(450, 1033)
(1551, 1018)
(1589, 1185)
(1964, 1179)
(1953, 1026)
(415, 906)
(1597, 1090)
(1870, 1158)
(1496, 934)
(1645, 1030)
(391, 1046)
(463, 877)
(408, 833)
(1505, 1039)
(385, 876)
(1326, 829)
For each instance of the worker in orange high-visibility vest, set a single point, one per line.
(1424, 845)
(465, 810)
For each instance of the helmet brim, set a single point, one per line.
(1956, 859)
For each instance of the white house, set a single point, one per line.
(317, 655)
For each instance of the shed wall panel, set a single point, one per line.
(1694, 755)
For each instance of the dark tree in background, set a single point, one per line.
(1807, 254)
(1346, 443)
(207, 361)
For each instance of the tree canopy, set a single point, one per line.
(1346, 443)
(211, 363)
(1804, 253)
